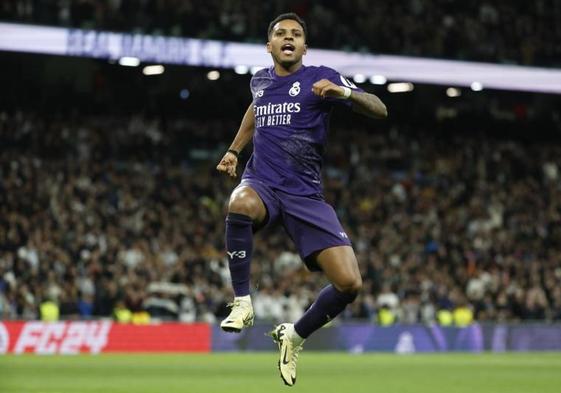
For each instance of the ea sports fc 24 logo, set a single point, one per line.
(57, 337)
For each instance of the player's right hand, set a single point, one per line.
(228, 164)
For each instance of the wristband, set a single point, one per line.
(347, 92)
(237, 154)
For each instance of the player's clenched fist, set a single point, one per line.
(326, 88)
(228, 164)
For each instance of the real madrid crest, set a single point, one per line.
(295, 89)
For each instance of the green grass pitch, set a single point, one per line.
(257, 372)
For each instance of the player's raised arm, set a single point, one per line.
(229, 161)
(368, 104)
(364, 103)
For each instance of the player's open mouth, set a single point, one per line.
(287, 49)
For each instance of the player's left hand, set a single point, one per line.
(326, 88)
(228, 164)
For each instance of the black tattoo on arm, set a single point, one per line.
(368, 104)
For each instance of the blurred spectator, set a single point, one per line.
(462, 314)
(49, 310)
(121, 313)
(388, 299)
(444, 317)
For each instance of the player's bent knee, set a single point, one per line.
(242, 206)
(351, 286)
(244, 203)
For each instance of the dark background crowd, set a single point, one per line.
(110, 203)
(104, 212)
(522, 32)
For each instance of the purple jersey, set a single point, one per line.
(291, 125)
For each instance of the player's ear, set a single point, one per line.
(268, 47)
(305, 49)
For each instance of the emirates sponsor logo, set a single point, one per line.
(275, 114)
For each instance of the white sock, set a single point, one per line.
(246, 298)
(295, 337)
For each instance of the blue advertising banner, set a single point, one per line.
(364, 337)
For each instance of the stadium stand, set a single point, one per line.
(100, 213)
(522, 32)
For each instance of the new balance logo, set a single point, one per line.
(236, 254)
(343, 235)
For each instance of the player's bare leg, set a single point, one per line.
(244, 210)
(341, 268)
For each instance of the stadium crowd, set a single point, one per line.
(522, 32)
(123, 216)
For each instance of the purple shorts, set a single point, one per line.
(310, 222)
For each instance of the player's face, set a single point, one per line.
(287, 43)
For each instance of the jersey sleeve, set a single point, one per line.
(335, 77)
(260, 81)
